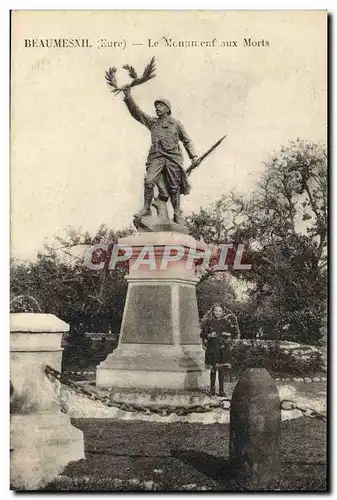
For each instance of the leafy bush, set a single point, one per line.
(81, 352)
(275, 359)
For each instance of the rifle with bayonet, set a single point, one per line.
(201, 158)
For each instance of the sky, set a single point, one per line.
(78, 157)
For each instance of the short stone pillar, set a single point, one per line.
(159, 340)
(255, 428)
(43, 441)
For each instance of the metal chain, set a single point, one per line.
(287, 405)
(166, 410)
(161, 410)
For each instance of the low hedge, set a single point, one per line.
(84, 352)
(275, 359)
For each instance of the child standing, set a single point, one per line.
(216, 333)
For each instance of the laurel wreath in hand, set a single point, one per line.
(148, 74)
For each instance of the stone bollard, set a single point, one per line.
(43, 441)
(255, 427)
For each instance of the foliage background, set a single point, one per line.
(282, 223)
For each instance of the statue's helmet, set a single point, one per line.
(164, 101)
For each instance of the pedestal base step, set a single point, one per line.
(150, 366)
(142, 379)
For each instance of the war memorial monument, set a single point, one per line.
(159, 344)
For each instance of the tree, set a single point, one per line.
(283, 225)
(288, 218)
(89, 300)
(215, 290)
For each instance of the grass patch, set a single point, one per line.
(132, 456)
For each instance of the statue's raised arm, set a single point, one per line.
(135, 110)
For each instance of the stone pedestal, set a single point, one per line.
(43, 441)
(159, 340)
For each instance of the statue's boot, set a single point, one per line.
(177, 215)
(146, 210)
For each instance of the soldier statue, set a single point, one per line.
(164, 166)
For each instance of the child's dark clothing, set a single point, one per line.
(216, 334)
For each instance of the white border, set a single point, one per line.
(4, 179)
(169, 5)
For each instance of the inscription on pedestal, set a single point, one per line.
(148, 317)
